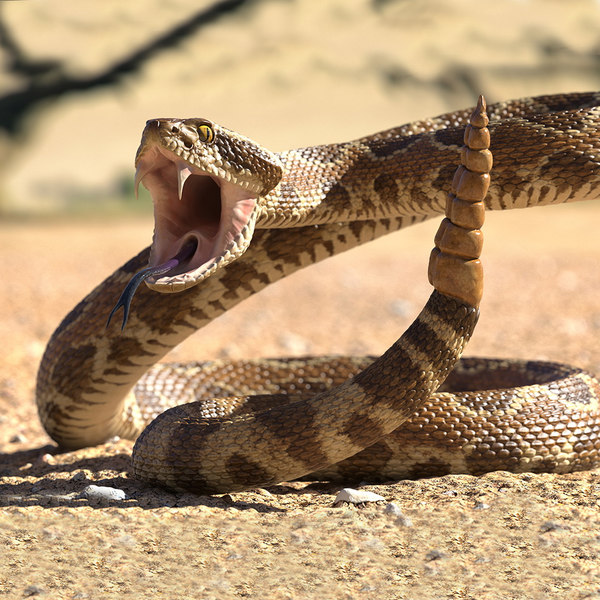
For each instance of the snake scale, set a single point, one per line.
(232, 217)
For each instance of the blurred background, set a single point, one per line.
(79, 79)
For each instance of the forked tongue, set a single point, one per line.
(186, 252)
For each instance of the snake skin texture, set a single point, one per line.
(491, 415)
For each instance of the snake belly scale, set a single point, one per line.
(264, 216)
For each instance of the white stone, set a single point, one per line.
(357, 496)
(103, 493)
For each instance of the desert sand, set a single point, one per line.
(528, 536)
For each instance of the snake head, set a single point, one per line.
(205, 181)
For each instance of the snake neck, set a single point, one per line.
(403, 171)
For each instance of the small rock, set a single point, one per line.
(434, 555)
(298, 537)
(126, 540)
(79, 476)
(51, 534)
(394, 510)
(101, 493)
(551, 526)
(32, 590)
(356, 496)
(481, 506)
(19, 438)
(47, 459)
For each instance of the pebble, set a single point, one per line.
(19, 438)
(32, 590)
(356, 496)
(551, 526)
(47, 459)
(434, 555)
(103, 493)
(394, 510)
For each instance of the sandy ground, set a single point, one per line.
(292, 74)
(496, 536)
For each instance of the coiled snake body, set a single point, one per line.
(214, 191)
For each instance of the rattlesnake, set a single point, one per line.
(312, 203)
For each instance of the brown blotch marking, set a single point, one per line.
(445, 174)
(124, 349)
(72, 372)
(366, 464)
(329, 247)
(184, 448)
(363, 430)
(556, 165)
(199, 314)
(448, 308)
(245, 276)
(356, 228)
(115, 372)
(396, 379)
(383, 148)
(386, 188)
(339, 195)
(308, 239)
(245, 471)
(156, 310)
(299, 436)
(451, 137)
(57, 415)
(273, 242)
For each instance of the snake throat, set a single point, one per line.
(192, 203)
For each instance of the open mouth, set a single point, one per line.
(199, 217)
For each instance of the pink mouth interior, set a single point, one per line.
(211, 212)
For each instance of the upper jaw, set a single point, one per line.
(192, 205)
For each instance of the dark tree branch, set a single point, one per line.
(18, 61)
(47, 81)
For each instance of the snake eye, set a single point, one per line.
(206, 133)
